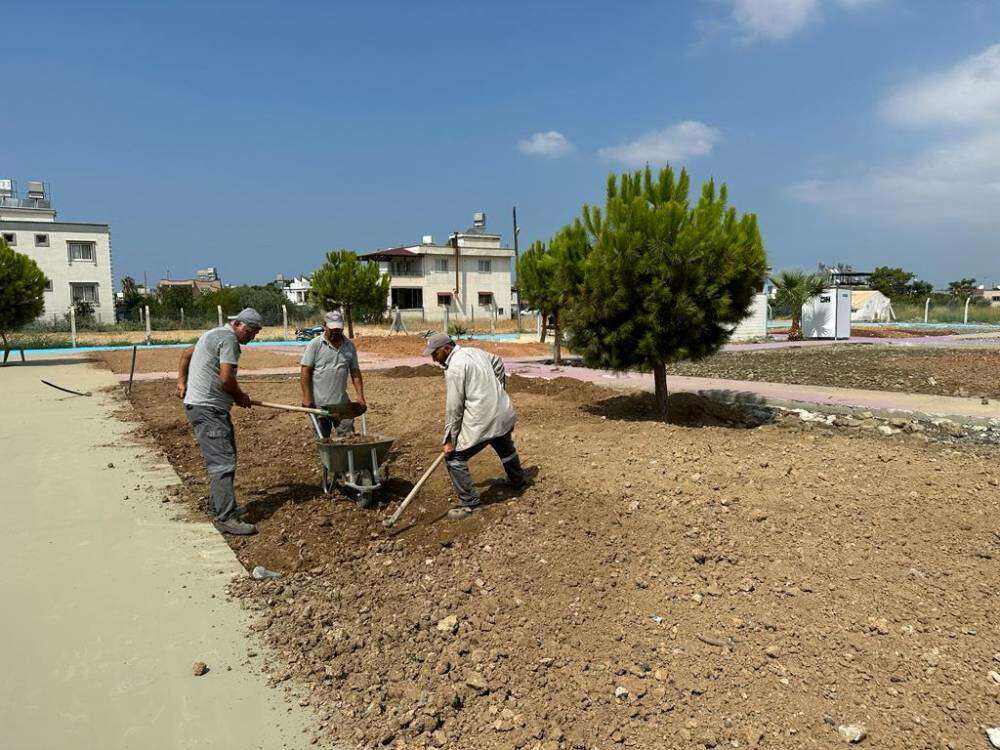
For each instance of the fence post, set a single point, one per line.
(493, 318)
(967, 301)
(219, 309)
(72, 325)
(142, 321)
(149, 326)
(446, 326)
(182, 317)
(927, 307)
(284, 319)
(538, 325)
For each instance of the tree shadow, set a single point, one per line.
(734, 409)
(48, 361)
(271, 499)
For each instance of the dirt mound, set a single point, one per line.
(658, 587)
(420, 371)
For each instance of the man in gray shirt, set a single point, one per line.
(206, 380)
(326, 364)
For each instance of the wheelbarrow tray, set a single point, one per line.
(337, 457)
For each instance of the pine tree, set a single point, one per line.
(344, 281)
(22, 291)
(549, 277)
(664, 281)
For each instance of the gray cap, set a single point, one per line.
(333, 320)
(248, 316)
(436, 341)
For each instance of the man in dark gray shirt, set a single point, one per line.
(206, 380)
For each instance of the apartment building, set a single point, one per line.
(470, 276)
(74, 256)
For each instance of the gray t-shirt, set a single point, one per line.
(331, 369)
(215, 347)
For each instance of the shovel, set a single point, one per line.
(391, 520)
(340, 411)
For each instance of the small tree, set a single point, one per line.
(344, 281)
(552, 276)
(962, 288)
(22, 291)
(796, 288)
(664, 281)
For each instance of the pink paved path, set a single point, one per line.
(774, 393)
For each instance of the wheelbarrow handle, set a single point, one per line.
(391, 520)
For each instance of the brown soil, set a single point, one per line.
(413, 346)
(900, 333)
(938, 371)
(660, 586)
(353, 440)
(166, 360)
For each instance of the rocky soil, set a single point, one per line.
(701, 583)
(946, 372)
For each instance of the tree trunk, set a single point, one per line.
(350, 321)
(557, 342)
(795, 332)
(660, 382)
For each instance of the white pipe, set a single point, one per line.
(927, 307)
(284, 319)
(148, 326)
(72, 325)
(219, 309)
(967, 301)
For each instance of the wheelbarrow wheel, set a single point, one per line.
(366, 497)
(327, 482)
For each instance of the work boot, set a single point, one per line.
(240, 513)
(509, 485)
(234, 526)
(462, 512)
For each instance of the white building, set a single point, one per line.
(297, 290)
(75, 257)
(471, 276)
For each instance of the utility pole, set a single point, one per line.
(517, 256)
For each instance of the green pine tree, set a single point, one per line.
(22, 291)
(344, 281)
(664, 281)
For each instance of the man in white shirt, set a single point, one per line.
(328, 361)
(478, 412)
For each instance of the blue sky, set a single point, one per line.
(256, 136)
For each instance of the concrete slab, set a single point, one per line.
(107, 601)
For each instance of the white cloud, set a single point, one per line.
(551, 144)
(966, 94)
(858, 3)
(955, 181)
(677, 142)
(773, 19)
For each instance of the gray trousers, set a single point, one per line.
(344, 427)
(458, 467)
(214, 431)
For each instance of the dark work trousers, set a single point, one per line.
(458, 467)
(214, 431)
(344, 426)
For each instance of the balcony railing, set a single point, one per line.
(11, 201)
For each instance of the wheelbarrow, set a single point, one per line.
(359, 467)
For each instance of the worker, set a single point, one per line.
(206, 381)
(326, 364)
(478, 412)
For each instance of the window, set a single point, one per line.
(444, 300)
(486, 298)
(83, 293)
(10, 238)
(407, 299)
(48, 285)
(41, 240)
(81, 251)
(484, 266)
(441, 264)
(404, 268)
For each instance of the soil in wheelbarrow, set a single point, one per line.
(354, 440)
(660, 586)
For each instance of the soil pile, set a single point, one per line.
(660, 585)
(945, 372)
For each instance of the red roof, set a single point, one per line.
(391, 252)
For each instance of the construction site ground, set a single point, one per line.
(709, 582)
(947, 371)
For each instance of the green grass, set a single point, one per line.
(914, 312)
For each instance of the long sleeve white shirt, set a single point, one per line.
(477, 407)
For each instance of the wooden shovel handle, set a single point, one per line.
(390, 522)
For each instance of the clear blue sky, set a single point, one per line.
(255, 136)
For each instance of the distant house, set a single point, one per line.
(470, 276)
(992, 296)
(297, 290)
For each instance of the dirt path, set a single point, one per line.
(107, 601)
(696, 584)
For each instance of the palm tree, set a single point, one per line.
(795, 288)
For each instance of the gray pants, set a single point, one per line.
(458, 467)
(344, 427)
(214, 431)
